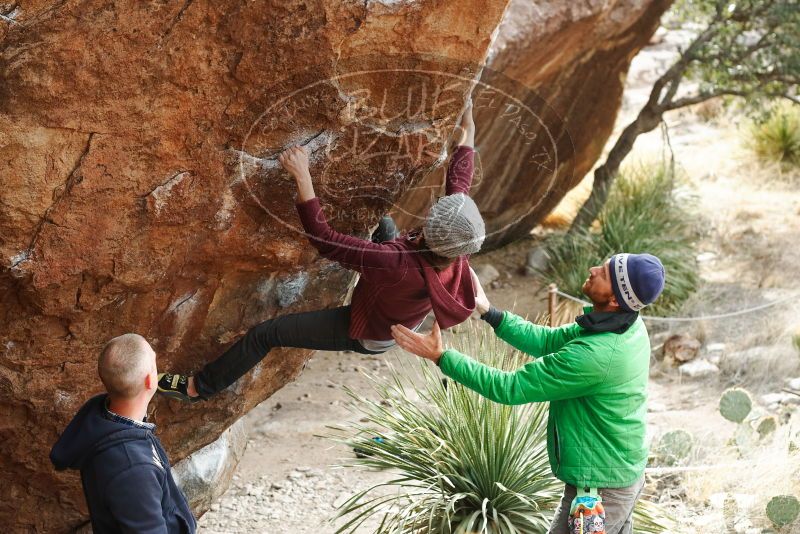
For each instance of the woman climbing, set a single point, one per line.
(401, 281)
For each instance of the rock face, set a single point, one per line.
(205, 474)
(141, 192)
(537, 144)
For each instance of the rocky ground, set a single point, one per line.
(286, 482)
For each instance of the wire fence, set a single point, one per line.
(690, 319)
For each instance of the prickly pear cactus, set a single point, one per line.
(674, 446)
(783, 509)
(735, 404)
(767, 426)
(743, 439)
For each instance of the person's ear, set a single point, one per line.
(613, 301)
(148, 382)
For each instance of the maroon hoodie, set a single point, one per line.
(397, 285)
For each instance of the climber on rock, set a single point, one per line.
(125, 471)
(402, 279)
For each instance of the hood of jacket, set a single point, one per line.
(89, 433)
(454, 302)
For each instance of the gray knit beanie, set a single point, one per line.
(454, 227)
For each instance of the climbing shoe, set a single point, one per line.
(175, 386)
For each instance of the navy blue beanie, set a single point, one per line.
(637, 280)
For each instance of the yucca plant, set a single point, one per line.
(462, 463)
(644, 213)
(776, 139)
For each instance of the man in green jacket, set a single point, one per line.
(594, 373)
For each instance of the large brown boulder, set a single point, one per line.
(539, 142)
(140, 190)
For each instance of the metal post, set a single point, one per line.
(552, 303)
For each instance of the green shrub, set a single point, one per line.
(776, 139)
(642, 214)
(462, 463)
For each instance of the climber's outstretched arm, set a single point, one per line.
(462, 163)
(354, 253)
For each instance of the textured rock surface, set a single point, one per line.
(574, 57)
(205, 474)
(140, 191)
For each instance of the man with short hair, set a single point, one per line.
(124, 469)
(594, 373)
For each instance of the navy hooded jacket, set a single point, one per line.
(125, 474)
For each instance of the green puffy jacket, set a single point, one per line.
(596, 383)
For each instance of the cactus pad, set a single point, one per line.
(783, 509)
(735, 404)
(674, 446)
(767, 426)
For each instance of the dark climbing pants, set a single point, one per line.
(318, 330)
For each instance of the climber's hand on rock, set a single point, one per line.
(465, 131)
(467, 121)
(295, 161)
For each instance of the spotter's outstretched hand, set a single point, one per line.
(428, 346)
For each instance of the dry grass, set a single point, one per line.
(767, 469)
(762, 369)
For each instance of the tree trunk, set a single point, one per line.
(649, 117)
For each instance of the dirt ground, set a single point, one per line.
(748, 256)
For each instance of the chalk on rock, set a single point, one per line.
(206, 473)
(289, 291)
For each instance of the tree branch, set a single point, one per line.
(674, 74)
(702, 97)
